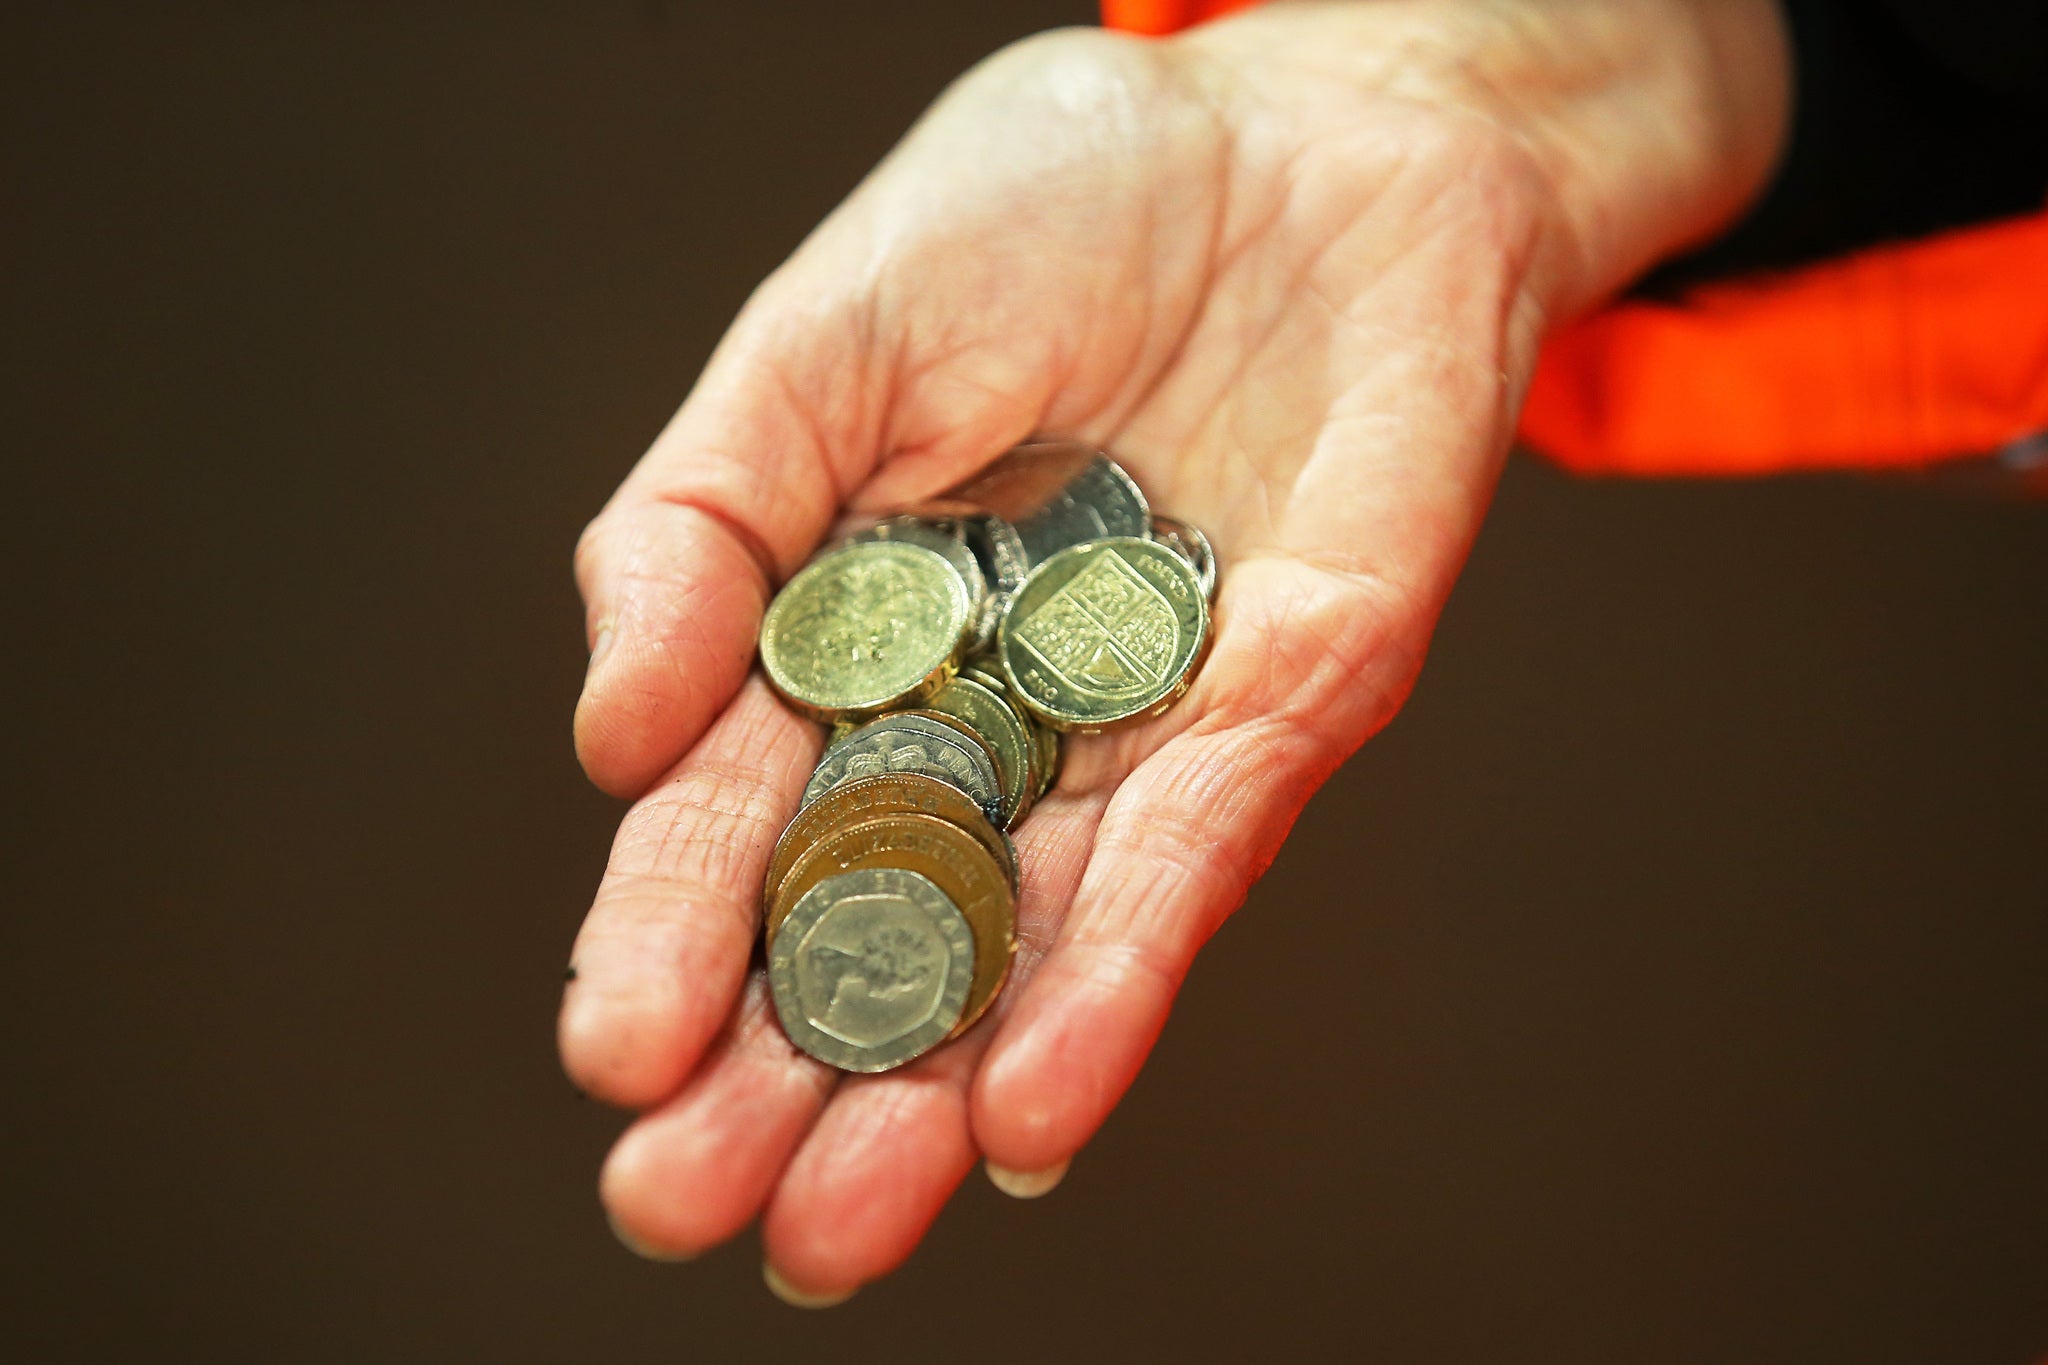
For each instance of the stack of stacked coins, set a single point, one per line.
(949, 647)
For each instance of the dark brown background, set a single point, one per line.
(1667, 985)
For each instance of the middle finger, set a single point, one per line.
(890, 1149)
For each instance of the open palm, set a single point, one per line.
(1299, 309)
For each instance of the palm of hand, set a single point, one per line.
(1300, 324)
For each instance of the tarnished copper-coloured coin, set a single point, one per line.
(956, 862)
(868, 797)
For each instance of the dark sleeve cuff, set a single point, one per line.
(1910, 116)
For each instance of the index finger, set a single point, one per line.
(678, 567)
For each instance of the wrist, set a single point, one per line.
(1648, 125)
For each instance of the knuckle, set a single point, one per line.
(1082, 62)
(1103, 88)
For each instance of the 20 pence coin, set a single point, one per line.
(873, 968)
(955, 861)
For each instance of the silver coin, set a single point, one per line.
(907, 742)
(989, 538)
(947, 537)
(1051, 494)
(871, 969)
(981, 631)
(1189, 542)
(1107, 633)
(1098, 502)
(999, 550)
(1023, 480)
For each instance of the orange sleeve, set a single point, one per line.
(1165, 16)
(1902, 355)
(1897, 356)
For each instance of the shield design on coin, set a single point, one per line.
(872, 970)
(1108, 632)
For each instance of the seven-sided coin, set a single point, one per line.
(872, 969)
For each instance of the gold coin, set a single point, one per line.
(985, 711)
(976, 712)
(996, 723)
(868, 797)
(870, 625)
(1104, 634)
(1045, 741)
(941, 534)
(1049, 756)
(939, 850)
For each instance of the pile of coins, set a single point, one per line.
(949, 647)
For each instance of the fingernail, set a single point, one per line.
(1027, 1184)
(599, 648)
(644, 1251)
(797, 1298)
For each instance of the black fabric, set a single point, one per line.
(1910, 116)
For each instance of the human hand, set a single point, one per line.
(1292, 271)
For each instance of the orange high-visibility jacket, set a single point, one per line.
(1900, 355)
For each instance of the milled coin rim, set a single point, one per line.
(914, 721)
(804, 916)
(1045, 741)
(1192, 544)
(834, 707)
